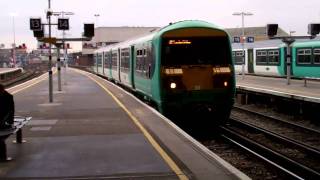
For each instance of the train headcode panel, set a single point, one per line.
(178, 42)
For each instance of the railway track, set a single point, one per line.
(278, 120)
(26, 76)
(294, 158)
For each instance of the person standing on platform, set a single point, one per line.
(6, 109)
(6, 120)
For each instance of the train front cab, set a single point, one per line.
(197, 73)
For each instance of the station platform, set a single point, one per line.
(96, 130)
(278, 87)
(7, 70)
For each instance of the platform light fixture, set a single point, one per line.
(291, 32)
(242, 14)
(14, 38)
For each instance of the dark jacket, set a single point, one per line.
(6, 109)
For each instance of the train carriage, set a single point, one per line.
(185, 65)
(306, 59)
(269, 58)
(262, 58)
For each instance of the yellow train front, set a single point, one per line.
(196, 71)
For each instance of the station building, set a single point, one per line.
(109, 35)
(104, 36)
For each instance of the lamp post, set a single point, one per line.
(291, 32)
(62, 14)
(242, 14)
(97, 16)
(49, 14)
(14, 39)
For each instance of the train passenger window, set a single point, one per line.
(261, 57)
(95, 57)
(304, 56)
(139, 62)
(107, 60)
(114, 60)
(239, 57)
(125, 60)
(316, 56)
(273, 57)
(239, 53)
(99, 59)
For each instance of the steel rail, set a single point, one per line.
(289, 166)
(278, 119)
(309, 149)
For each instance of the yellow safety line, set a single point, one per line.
(153, 142)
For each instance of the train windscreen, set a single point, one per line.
(196, 51)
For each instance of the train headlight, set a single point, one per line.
(173, 85)
(225, 83)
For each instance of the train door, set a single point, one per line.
(102, 61)
(119, 64)
(250, 61)
(132, 65)
(285, 61)
(97, 63)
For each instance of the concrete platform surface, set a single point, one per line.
(86, 134)
(279, 87)
(6, 70)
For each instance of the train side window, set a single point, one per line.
(239, 57)
(304, 56)
(273, 57)
(107, 60)
(261, 57)
(316, 56)
(125, 60)
(99, 59)
(139, 62)
(95, 57)
(114, 60)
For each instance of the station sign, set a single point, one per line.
(35, 24)
(236, 39)
(63, 24)
(250, 39)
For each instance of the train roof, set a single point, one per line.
(277, 43)
(308, 42)
(159, 32)
(188, 23)
(259, 44)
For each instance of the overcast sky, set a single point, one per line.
(291, 15)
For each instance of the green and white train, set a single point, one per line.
(269, 58)
(184, 66)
